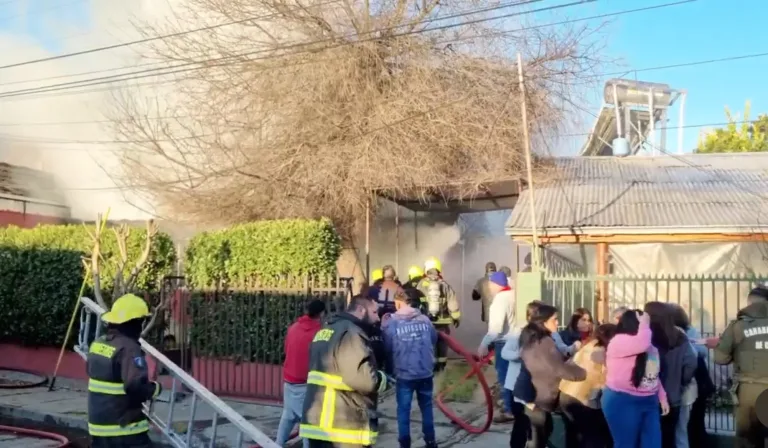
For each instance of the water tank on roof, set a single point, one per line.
(620, 147)
(636, 92)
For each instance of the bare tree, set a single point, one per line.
(121, 284)
(308, 107)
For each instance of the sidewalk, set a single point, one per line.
(66, 407)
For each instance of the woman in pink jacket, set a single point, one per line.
(633, 398)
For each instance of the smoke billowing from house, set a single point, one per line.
(58, 132)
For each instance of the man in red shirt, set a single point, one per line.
(296, 367)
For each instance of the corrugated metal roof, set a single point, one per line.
(693, 190)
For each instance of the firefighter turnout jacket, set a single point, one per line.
(343, 382)
(118, 385)
(440, 300)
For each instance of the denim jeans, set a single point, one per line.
(501, 372)
(681, 431)
(293, 406)
(404, 394)
(632, 418)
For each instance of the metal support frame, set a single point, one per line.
(681, 121)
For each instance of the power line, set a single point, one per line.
(151, 39)
(170, 69)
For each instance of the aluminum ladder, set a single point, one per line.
(90, 315)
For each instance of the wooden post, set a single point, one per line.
(603, 311)
(528, 163)
(368, 240)
(397, 238)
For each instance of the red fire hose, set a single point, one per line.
(63, 441)
(477, 366)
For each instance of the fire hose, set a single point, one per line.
(63, 441)
(476, 365)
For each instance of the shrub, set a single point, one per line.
(38, 289)
(76, 238)
(41, 273)
(262, 254)
(247, 327)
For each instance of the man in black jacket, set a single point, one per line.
(343, 381)
(118, 383)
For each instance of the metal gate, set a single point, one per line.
(236, 338)
(711, 302)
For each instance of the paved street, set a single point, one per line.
(66, 407)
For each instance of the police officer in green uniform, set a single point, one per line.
(745, 344)
(118, 382)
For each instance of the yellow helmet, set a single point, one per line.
(127, 307)
(433, 263)
(415, 272)
(377, 275)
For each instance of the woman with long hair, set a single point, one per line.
(547, 368)
(633, 390)
(678, 364)
(580, 401)
(521, 428)
(691, 430)
(576, 334)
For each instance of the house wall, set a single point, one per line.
(28, 214)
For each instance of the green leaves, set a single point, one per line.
(739, 135)
(41, 273)
(246, 327)
(263, 254)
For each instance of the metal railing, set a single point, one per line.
(236, 338)
(711, 301)
(91, 327)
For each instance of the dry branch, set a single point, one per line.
(304, 112)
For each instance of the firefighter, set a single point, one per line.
(415, 274)
(377, 276)
(415, 297)
(745, 344)
(442, 306)
(118, 382)
(344, 381)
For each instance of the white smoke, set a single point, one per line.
(66, 150)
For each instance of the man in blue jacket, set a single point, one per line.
(410, 338)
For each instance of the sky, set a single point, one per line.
(697, 31)
(30, 29)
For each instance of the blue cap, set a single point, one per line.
(499, 278)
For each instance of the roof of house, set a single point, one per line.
(27, 183)
(692, 193)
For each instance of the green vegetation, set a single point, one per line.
(246, 327)
(738, 135)
(279, 253)
(451, 377)
(41, 272)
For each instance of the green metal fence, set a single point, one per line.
(711, 302)
(236, 338)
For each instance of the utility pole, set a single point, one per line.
(528, 165)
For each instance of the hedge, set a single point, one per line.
(247, 327)
(262, 254)
(76, 238)
(41, 272)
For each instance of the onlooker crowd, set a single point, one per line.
(638, 381)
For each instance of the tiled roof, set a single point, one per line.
(725, 191)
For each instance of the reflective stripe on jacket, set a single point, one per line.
(342, 383)
(117, 387)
